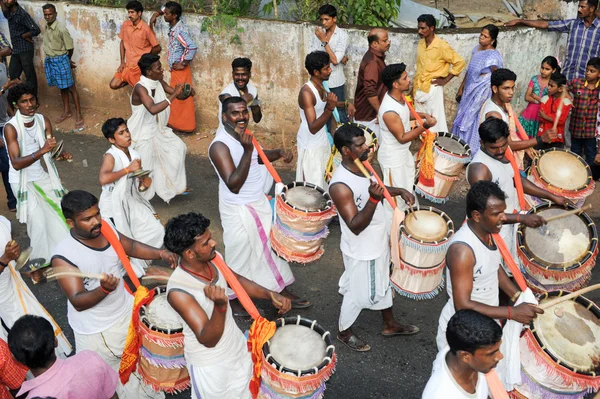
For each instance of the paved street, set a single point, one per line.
(394, 368)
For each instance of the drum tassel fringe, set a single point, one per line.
(429, 197)
(268, 393)
(539, 392)
(585, 268)
(423, 295)
(425, 157)
(432, 248)
(291, 382)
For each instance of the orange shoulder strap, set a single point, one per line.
(264, 159)
(114, 242)
(510, 262)
(495, 386)
(518, 183)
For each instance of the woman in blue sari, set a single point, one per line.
(475, 88)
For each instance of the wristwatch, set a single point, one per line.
(324, 44)
(3, 264)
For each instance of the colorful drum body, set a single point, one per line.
(450, 155)
(335, 159)
(563, 258)
(303, 211)
(573, 179)
(162, 364)
(297, 360)
(424, 241)
(560, 351)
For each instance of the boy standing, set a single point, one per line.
(549, 109)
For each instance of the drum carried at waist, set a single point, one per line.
(563, 173)
(560, 352)
(450, 155)
(162, 364)
(297, 360)
(563, 258)
(424, 241)
(335, 159)
(302, 213)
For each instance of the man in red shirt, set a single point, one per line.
(12, 373)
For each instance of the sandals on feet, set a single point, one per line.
(301, 304)
(354, 343)
(404, 330)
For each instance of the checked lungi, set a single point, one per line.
(58, 71)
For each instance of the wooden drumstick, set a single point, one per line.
(560, 108)
(362, 168)
(283, 140)
(572, 295)
(56, 276)
(275, 301)
(568, 213)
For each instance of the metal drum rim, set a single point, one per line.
(535, 165)
(328, 206)
(159, 290)
(467, 154)
(444, 215)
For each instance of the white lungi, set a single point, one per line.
(312, 164)
(432, 103)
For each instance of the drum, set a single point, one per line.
(335, 159)
(303, 212)
(162, 364)
(450, 155)
(563, 258)
(573, 179)
(560, 351)
(297, 360)
(424, 241)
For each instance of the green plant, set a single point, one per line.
(223, 25)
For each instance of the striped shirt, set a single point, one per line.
(181, 46)
(19, 23)
(583, 43)
(3, 44)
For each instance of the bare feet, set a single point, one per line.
(64, 117)
(79, 122)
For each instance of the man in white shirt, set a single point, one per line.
(474, 349)
(334, 41)
(241, 87)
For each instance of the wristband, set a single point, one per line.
(33, 156)
(539, 140)
(160, 253)
(221, 310)
(516, 296)
(373, 200)
(105, 291)
(167, 100)
(509, 314)
(518, 218)
(3, 264)
(126, 171)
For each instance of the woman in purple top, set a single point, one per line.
(475, 88)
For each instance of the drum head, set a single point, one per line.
(160, 314)
(451, 144)
(306, 198)
(297, 347)
(563, 169)
(570, 333)
(567, 242)
(428, 226)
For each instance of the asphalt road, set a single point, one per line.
(394, 368)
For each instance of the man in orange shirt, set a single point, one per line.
(137, 38)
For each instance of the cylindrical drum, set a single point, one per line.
(450, 155)
(162, 364)
(560, 351)
(297, 360)
(303, 211)
(424, 241)
(563, 173)
(335, 159)
(561, 255)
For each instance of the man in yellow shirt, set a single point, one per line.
(437, 64)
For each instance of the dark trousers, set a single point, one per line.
(586, 148)
(20, 63)
(12, 201)
(341, 95)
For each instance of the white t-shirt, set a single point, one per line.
(234, 92)
(490, 106)
(442, 385)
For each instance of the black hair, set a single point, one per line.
(345, 134)
(502, 75)
(242, 63)
(181, 231)
(316, 61)
(553, 62)
(174, 8)
(76, 202)
(231, 100)
(593, 62)
(469, 330)
(559, 79)
(31, 341)
(329, 10)
(492, 130)
(372, 38)
(479, 194)
(18, 91)
(493, 31)
(428, 19)
(392, 73)
(49, 6)
(592, 3)
(110, 127)
(146, 61)
(135, 6)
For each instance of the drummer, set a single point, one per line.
(99, 311)
(492, 164)
(216, 352)
(473, 261)
(365, 247)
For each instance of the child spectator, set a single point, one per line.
(556, 90)
(537, 89)
(12, 374)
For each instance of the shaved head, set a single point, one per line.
(379, 40)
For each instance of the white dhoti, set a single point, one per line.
(372, 124)
(109, 344)
(365, 284)
(312, 164)
(398, 172)
(246, 231)
(432, 103)
(46, 226)
(226, 380)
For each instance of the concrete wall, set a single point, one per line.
(277, 50)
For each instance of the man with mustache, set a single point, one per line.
(137, 38)
(474, 275)
(492, 164)
(99, 311)
(365, 245)
(246, 214)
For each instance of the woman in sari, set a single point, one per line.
(475, 88)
